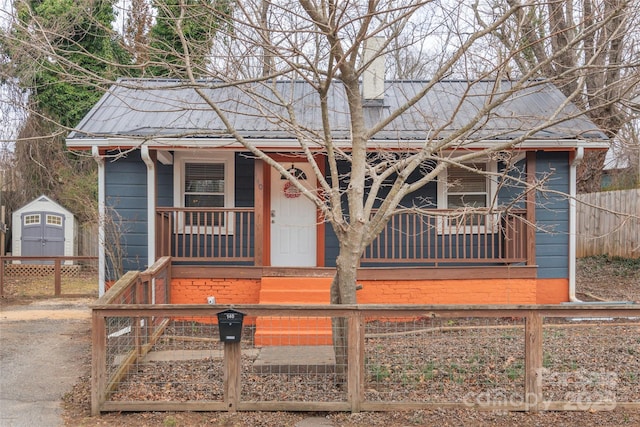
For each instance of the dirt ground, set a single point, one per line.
(599, 279)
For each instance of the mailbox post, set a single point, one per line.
(230, 327)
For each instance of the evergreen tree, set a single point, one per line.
(86, 47)
(61, 89)
(184, 33)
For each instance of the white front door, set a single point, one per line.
(293, 221)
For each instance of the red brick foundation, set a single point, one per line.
(475, 291)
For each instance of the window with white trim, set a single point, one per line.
(32, 219)
(467, 189)
(54, 220)
(205, 181)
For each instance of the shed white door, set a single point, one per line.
(293, 221)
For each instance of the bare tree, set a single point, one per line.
(333, 45)
(590, 50)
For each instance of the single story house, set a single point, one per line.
(183, 187)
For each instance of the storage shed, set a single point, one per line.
(43, 228)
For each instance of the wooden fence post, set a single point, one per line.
(232, 371)
(355, 375)
(57, 268)
(1, 277)
(98, 361)
(533, 360)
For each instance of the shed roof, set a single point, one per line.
(170, 109)
(42, 203)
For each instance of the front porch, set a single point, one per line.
(436, 257)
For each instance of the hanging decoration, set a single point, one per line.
(290, 190)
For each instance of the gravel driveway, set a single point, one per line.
(37, 339)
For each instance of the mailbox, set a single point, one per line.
(230, 325)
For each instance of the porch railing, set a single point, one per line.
(211, 234)
(446, 236)
(437, 237)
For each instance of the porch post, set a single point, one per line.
(531, 208)
(258, 203)
(101, 218)
(573, 220)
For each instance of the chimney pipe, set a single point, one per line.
(373, 75)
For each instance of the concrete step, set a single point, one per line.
(317, 359)
(287, 338)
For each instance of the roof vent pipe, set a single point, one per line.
(373, 75)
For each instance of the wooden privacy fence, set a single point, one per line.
(608, 223)
(160, 357)
(88, 240)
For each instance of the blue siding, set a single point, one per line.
(164, 185)
(509, 189)
(331, 246)
(552, 216)
(244, 180)
(125, 192)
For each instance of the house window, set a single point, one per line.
(468, 192)
(204, 182)
(204, 188)
(467, 188)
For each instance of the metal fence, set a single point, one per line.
(155, 357)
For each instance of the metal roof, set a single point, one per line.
(165, 108)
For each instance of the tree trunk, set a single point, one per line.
(343, 291)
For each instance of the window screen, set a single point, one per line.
(204, 188)
(204, 185)
(466, 187)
